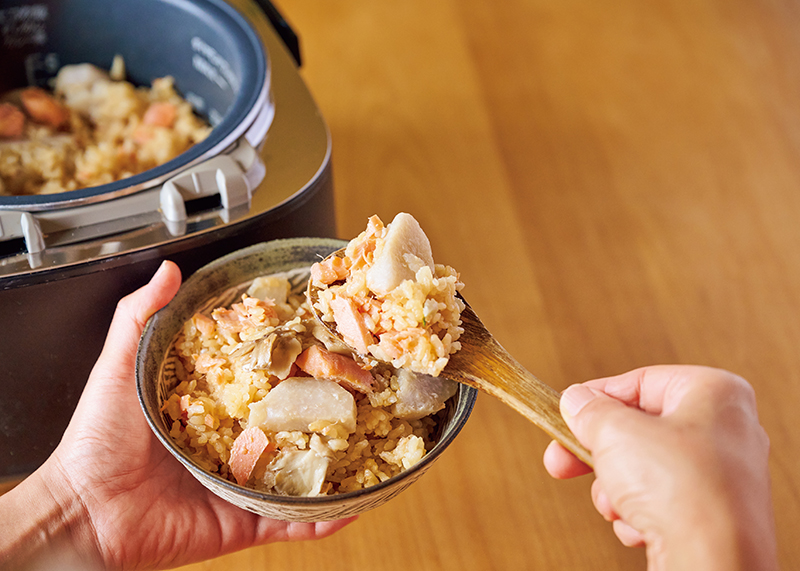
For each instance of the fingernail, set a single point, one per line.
(159, 271)
(574, 398)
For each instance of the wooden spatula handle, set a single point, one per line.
(537, 401)
(483, 363)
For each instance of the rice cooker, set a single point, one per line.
(66, 259)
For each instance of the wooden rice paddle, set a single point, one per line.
(482, 363)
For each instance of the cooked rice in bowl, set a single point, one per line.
(246, 405)
(158, 375)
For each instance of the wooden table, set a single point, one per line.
(627, 174)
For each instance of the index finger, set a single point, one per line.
(657, 389)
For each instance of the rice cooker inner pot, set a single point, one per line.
(216, 58)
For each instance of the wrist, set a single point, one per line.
(43, 522)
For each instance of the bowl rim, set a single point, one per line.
(463, 404)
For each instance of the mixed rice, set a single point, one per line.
(389, 300)
(94, 128)
(266, 397)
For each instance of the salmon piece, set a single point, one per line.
(329, 270)
(363, 249)
(369, 306)
(252, 312)
(160, 114)
(395, 343)
(246, 451)
(229, 320)
(142, 134)
(351, 324)
(205, 362)
(43, 107)
(374, 225)
(323, 364)
(204, 324)
(12, 121)
(257, 310)
(360, 250)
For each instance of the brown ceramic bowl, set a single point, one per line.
(220, 283)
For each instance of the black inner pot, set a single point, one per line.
(215, 56)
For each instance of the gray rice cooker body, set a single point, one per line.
(57, 298)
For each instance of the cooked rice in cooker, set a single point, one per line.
(94, 128)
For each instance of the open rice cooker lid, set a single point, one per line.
(219, 65)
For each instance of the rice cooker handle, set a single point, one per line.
(283, 28)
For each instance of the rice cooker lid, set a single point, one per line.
(198, 27)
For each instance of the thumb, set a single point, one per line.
(588, 411)
(110, 385)
(131, 315)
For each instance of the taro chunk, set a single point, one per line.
(403, 251)
(83, 86)
(270, 287)
(299, 472)
(298, 402)
(420, 395)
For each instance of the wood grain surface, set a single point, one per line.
(618, 183)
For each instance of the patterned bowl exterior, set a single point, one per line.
(222, 282)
